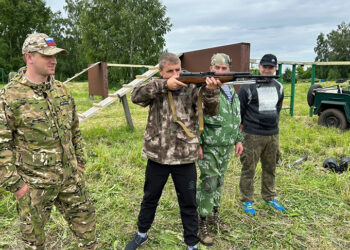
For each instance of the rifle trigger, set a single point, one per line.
(203, 84)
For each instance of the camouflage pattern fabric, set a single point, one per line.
(40, 143)
(165, 141)
(39, 129)
(220, 58)
(20, 71)
(223, 128)
(265, 148)
(221, 132)
(71, 199)
(42, 43)
(212, 173)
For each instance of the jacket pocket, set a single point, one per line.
(66, 110)
(150, 133)
(182, 136)
(186, 148)
(37, 159)
(213, 125)
(151, 144)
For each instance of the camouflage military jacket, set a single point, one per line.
(223, 128)
(165, 141)
(40, 137)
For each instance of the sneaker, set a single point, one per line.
(214, 220)
(204, 236)
(192, 247)
(136, 242)
(248, 208)
(274, 203)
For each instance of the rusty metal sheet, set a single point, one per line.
(98, 80)
(199, 60)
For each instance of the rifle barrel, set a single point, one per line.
(237, 78)
(242, 82)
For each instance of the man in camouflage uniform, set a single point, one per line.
(260, 108)
(221, 135)
(169, 149)
(42, 159)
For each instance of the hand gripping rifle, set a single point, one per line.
(198, 78)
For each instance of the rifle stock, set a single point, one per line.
(199, 77)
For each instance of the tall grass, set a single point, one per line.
(317, 201)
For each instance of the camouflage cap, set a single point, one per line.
(42, 43)
(220, 58)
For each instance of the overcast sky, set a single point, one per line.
(286, 28)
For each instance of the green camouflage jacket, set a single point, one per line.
(40, 142)
(165, 141)
(223, 128)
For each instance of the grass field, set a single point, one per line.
(317, 201)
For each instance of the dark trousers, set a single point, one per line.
(184, 177)
(257, 147)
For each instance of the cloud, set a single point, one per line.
(288, 28)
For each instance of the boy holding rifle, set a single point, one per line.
(173, 106)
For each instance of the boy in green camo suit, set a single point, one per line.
(41, 155)
(221, 135)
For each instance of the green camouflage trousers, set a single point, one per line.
(213, 167)
(257, 147)
(72, 200)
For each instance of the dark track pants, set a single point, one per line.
(184, 177)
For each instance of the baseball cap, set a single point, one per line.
(220, 58)
(269, 59)
(41, 43)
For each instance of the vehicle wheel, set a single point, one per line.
(344, 163)
(310, 94)
(331, 164)
(334, 118)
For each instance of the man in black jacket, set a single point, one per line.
(260, 108)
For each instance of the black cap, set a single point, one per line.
(269, 59)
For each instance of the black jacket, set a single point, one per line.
(260, 107)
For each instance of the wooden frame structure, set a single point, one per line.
(193, 61)
(98, 74)
(99, 77)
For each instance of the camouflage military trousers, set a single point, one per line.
(257, 147)
(213, 167)
(72, 200)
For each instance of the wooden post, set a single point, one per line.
(127, 111)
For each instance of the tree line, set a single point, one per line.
(123, 31)
(334, 46)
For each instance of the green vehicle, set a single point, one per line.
(331, 104)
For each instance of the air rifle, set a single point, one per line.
(230, 78)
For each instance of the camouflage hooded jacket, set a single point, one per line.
(223, 128)
(165, 141)
(40, 138)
